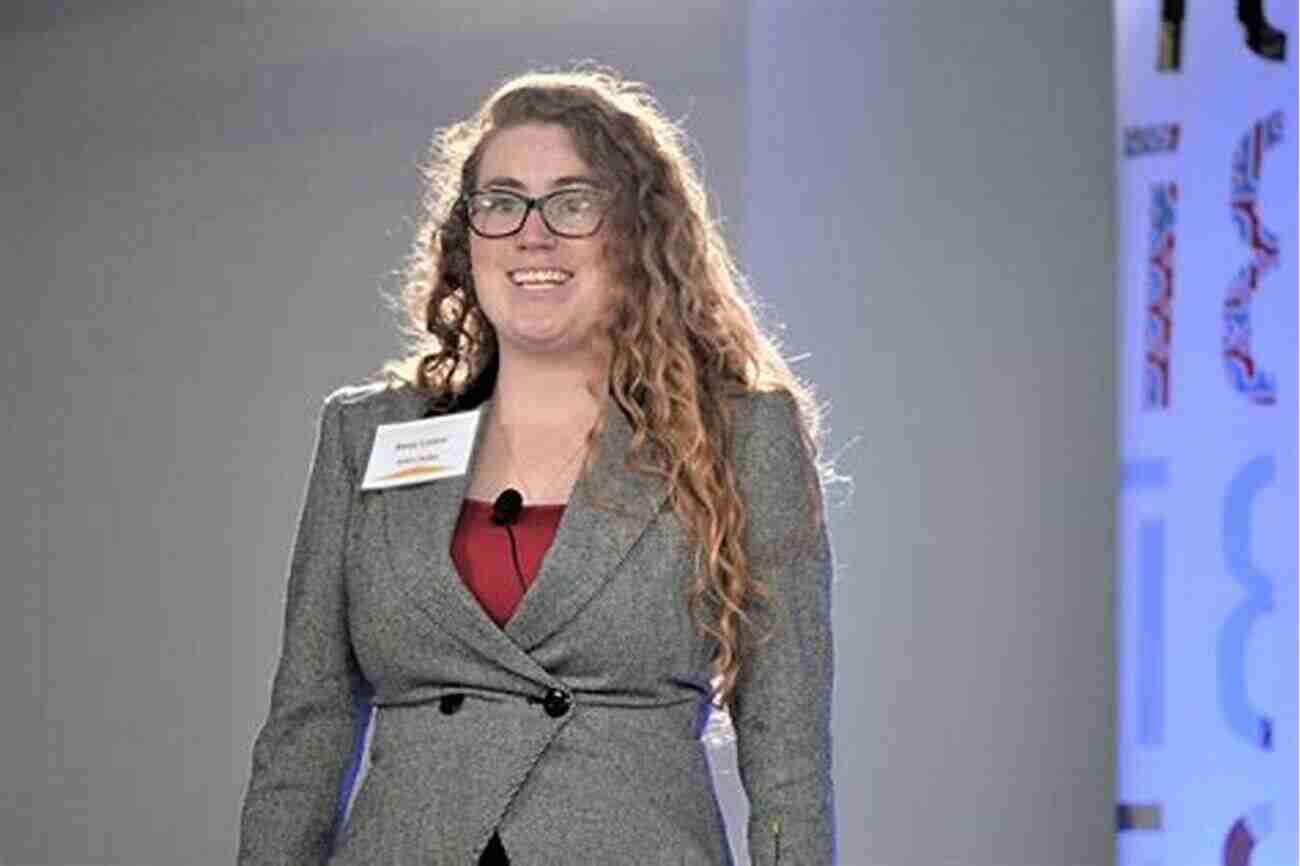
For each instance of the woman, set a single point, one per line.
(569, 287)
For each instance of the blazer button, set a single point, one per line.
(449, 705)
(556, 703)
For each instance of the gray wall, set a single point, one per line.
(929, 196)
(930, 206)
(200, 203)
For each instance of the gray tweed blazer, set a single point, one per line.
(574, 730)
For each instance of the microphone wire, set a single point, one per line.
(514, 555)
(505, 512)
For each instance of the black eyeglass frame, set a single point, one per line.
(540, 204)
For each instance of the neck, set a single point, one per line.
(557, 392)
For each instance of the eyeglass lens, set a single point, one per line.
(571, 212)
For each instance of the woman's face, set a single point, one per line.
(543, 293)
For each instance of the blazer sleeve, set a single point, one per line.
(301, 751)
(782, 706)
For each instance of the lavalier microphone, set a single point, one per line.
(505, 510)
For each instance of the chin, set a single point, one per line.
(548, 342)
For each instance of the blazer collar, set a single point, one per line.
(609, 509)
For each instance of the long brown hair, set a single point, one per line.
(683, 335)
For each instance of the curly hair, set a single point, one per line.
(683, 336)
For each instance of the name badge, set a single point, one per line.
(414, 452)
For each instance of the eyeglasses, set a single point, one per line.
(569, 213)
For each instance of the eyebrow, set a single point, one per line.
(567, 180)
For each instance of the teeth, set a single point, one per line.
(536, 276)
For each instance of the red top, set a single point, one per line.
(481, 551)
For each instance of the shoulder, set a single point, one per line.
(768, 425)
(351, 414)
(777, 475)
(376, 402)
(774, 456)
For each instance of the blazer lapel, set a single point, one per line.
(419, 521)
(610, 508)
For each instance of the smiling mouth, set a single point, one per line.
(540, 276)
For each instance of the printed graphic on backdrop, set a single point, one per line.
(1206, 616)
(1257, 600)
(1244, 373)
(1160, 296)
(1261, 37)
(1152, 139)
(1244, 833)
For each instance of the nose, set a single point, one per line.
(534, 231)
